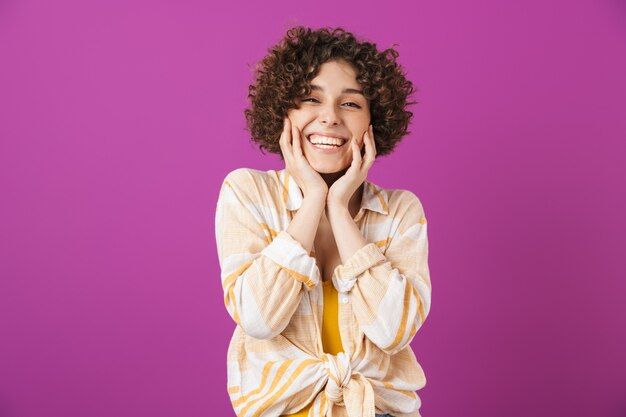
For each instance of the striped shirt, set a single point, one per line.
(272, 290)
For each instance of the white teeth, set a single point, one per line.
(326, 140)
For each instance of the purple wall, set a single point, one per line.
(118, 122)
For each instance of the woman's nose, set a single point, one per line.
(328, 115)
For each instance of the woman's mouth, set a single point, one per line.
(326, 144)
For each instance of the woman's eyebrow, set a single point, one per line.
(344, 91)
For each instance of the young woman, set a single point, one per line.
(325, 273)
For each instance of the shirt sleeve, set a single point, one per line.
(391, 291)
(264, 272)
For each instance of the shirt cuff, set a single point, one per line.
(345, 275)
(293, 258)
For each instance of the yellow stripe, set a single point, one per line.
(265, 373)
(277, 377)
(286, 187)
(271, 232)
(383, 243)
(324, 405)
(420, 308)
(230, 295)
(405, 315)
(286, 386)
(233, 276)
(401, 391)
(233, 390)
(231, 298)
(380, 197)
(299, 277)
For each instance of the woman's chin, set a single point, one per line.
(327, 164)
(327, 168)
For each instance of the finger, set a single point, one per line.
(356, 154)
(285, 139)
(363, 145)
(372, 141)
(370, 147)
(367, 158)
(285, 136)
(297, 138)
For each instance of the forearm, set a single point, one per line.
(390, 289)
(378, 289)
(348, 236)
(261, 313)
(303, 226)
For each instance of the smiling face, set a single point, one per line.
(334, 113)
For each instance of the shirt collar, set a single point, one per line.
(374, 197)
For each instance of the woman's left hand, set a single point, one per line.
(343, 188)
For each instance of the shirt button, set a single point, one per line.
(345, 300)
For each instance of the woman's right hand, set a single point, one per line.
(308, 179)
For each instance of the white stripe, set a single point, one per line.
(383, 329)
(235, 261)
(424, 293)
(292, 256)
(417, 232)
(249, 313)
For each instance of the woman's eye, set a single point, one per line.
(350, 104)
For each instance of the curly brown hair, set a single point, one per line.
(287, 70)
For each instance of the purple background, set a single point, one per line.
(119, 120)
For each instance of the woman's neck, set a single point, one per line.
(332, 177)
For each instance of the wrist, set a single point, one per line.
(335, 203)
(336, 207)
(317, 198)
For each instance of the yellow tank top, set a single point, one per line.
(331, 339)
